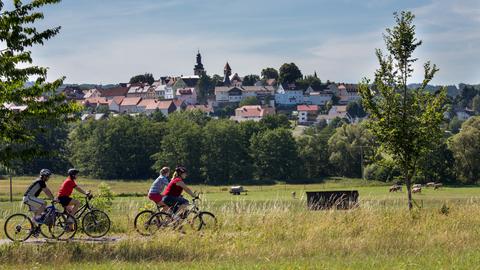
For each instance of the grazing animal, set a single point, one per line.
(417, 190)
(437, 185)
(395, 188)
(417, 186)
(431, 184)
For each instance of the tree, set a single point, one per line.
(455, 125)
(437, 166)
(314, 155)
(227, 158)
(274, 154)
(249, 101)
(182, 145)
(289, 73)
(37, 101)
(466, 150)
(275, 121)
(310, 80)
(269, 73)
(476, 104)
(348, 146)
(116, 148)
(406, 122)
(143, 78)
(250, 80)
(205, 87)
(355, 109)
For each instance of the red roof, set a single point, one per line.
(131, 101)
(308, 108)
(93, 100)
(115, 91)
(253, 111)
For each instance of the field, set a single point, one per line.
(269, 229)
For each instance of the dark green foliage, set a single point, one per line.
(225, 159)
(250, 80)
(117, 148)
(275, 121)
(269, 73)
(206, 88)
(309, 80)
(437, 166)
(182, 145)
(290, 73)
(355, 109)
(274, 154)
(249, 101)
(143, 78)
(17, 35)
(466, 151)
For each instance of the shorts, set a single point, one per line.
(174, 202)
(34, 203)
(155, 197)
(64, 201)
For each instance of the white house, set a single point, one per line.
(348, 93)
(231, 94)
(187, 95)
(307, 114)
(288, 96)
(318, 98)
(252, 112)
(335, 112)
(114, 103)
(129, 105)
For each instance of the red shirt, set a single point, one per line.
(67, 188)
(173, 189)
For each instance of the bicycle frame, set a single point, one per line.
(82, 209)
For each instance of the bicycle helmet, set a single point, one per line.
(73, 171)
(45, 172)
(180, 170)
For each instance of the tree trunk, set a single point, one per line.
(409, 190)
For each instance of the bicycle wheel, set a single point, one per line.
(142, 223)
(45, 231)
(160, 220)
(18, 227)
(64, 226)
(205, 221)
(96, 223)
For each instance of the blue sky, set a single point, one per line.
(108, 41)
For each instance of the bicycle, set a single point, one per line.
(95, 222)
(142, 222)
(197, 219)
(19, 227)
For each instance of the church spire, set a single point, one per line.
(227, 71)
(199, 69)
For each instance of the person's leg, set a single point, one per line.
(73, 206)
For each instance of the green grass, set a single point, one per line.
(269, 229)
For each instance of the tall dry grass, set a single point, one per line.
(282, 233)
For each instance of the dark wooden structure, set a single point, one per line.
(338, 199)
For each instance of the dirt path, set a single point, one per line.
(102, 240)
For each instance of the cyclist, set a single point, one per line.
(30, 198)
(66, 190)
(155, 192)
(172, 193)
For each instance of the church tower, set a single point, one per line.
(198, 69)
(227, 71)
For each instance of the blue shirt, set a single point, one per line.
(158, 185)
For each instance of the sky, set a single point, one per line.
(109, 41)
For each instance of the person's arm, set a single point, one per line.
(48, 192)
(187, 189)
(79, 189)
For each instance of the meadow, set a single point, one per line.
(270, 229)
